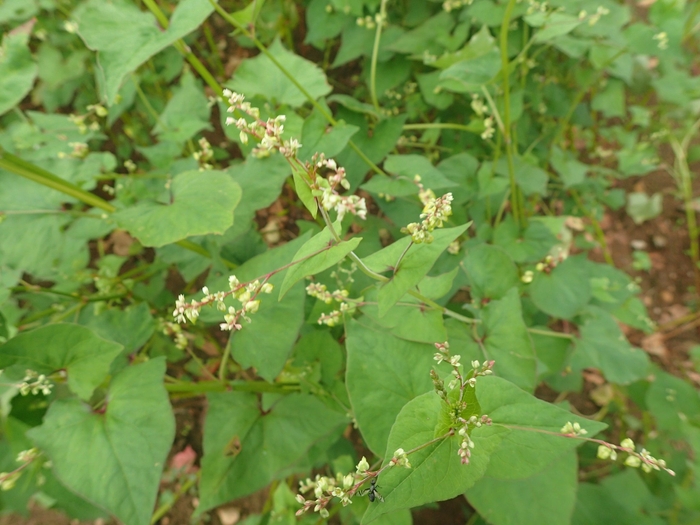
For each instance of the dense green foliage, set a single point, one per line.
(484, 139)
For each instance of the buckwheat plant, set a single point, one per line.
(458, 404)
(269, 136)
(245, 293)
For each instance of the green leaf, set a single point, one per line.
(245, 448)
(571, 171)
(603, 346)
(320, 137)
(383, 374)
(490, 271)
(563, 292)
(508, 342)
(17, 69)
(186, 114)
(529, 245)
(673, 402)
(552, 25)
(303, 190)
(334, 253)
(545, 498)
(414, 266)
(411, 165)
(125, 37)
(436, 472)
(531, 441)
(261, 181)
(114, 459)
(83, 355)
(203, 203)
(469, 76)
(531, 179)
(641, 207)
(260, 76)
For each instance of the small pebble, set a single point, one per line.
(659, 241)
(638, 244)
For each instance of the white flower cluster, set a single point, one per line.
(635, 459)
(245, 293)
(34, 383)
(400, 458)
(573, 429)
(325, 489)
(204, 155)
(435, 212)
(320, 292)
(330, 199)
(268, 132)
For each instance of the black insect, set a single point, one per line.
(371, 492)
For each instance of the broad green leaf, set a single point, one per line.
(130, 327)
(248, 14)
(469, 76)
(530, 245)
(261, 181)
(114, 459)
(17, 69)
(642, 207)
(491, 272)
(83, 355)
(245, 447)
(571, 171)
(318, 136)
(531, 440)
(611, 100)
(621, 498)
(413, 267)
(383, 374)
(508, 342)
(408, 320)
(260, 76)
(125, 37)
(436, 472)
(14, 11)
(545, 498)
(375, 144)
(552, 25)
(673, 402)
(202, 203)
(603, 345)
(411, 165)
(531, 178)
(392, 186)
(564, 291)
(186, 114)
(334, 253)
(426, 37)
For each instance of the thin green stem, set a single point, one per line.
(437, 125)
(174, 386)
(165, 507)
(507, 138)
(185, 50)
(34, 173)
(375, 54)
